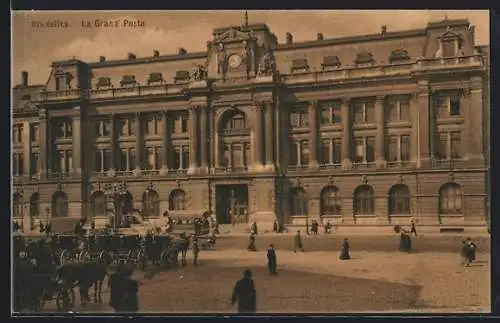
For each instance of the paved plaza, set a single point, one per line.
(377, 278)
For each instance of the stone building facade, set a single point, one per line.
(366, 130)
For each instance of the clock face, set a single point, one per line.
(234, 61)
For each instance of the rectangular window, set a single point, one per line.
(292, 154)
(236, 155)
(132, 159)
(405, 148)
(359, 153)
(177, 158)
(132, 126)
(359, 115)
(98, 128)
(34, 132)
(68, 167)
(404, 110)
(442, 105)
(325, 152)
(68, 129)
(150, 158)
(106, 128)
(15, 164)
(248, 154)
(61, 162)
(454, 106)
(456, 147)
(448, 48)
(34, 163)
(106, 160)
(442, 146)
(337, 151)
(392, 110)
(370, 149)
(299, 118)
(123, 159)
(393, 149)
(158, 160)
(226, 158)
(330, 113)
(124, 127)
(18, 164)
(369, 112)
(184, 123)
(97, 161)
(304, 152)
(185, 157)
(153, 125)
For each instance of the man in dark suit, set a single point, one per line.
(298, 242)
(271, 260)
(244, 293)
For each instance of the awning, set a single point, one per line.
(63, 225)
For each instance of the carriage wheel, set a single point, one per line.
(83, 256)
(64, 258)
(65, 299)
(129, 256)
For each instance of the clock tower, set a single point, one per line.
(235, 52)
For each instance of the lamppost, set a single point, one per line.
(116, 192)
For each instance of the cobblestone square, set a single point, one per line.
(384, 280)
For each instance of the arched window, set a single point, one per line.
(98, 204)
(59, 205)
(298, 202)
(35, 205)
(330, 201)
(399, 200)
(177, 200)
(364, 200)
(17, 205)
(150, 204)
(450, 199)
(233, 119)
(234, 150)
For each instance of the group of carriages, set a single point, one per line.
(38, 261)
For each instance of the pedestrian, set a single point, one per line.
(328, 227)
(298, 242)
(413, 227)
(196, 251)
(473, 247)
(464, 254)
(244, 293)
(275, 227)
(344, 254)
(251, 243)
(307, 226)
(254, 227)
(314, 227)
(271, 260)
(130, 289)
(114, 284)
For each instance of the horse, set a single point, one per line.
(84, 275)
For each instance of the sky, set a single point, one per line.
(35, 47)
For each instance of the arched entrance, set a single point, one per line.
(231, 204)
(60, 205)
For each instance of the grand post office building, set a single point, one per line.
(369, 130)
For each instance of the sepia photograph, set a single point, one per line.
(250, 161)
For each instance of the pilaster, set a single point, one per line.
(165, 144)
(27, 147)
(415, 116)
(380, 138)
(204, 142)
(77, 141)
(258, 138)
(426, 129)
(474, 118)
(346, 134)
(269, 131)
(44, 140)
(313, 135)
(139, 152)
(193, 141)
(114, 144)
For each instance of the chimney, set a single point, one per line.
(24, 78)
(383, 30)
(289, 38)
(319, 36)
(182, 51)
(156, 53)
(131, 56)
(102, 59)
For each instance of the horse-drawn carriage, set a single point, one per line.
(66, 249)
(126, 249)
(98, 249)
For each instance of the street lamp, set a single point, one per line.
(116, 192)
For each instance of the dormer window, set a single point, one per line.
(398, 56)
(128, 80)
(300, 65)
(155, 78)
(364, 58)
(450, 44)
(330, 62)
(181, 76)
(103, 82)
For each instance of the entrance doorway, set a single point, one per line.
(231, 204)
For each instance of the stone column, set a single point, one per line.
(313, 135)
(204, 139)
(77, 141)
(415, 115)
(426, 129)
(113, 143)
(474, 119)
(269, 132)
(165, 141)
(258, 138)
(380, 138)
(44, 141)
(139, 152)
(193, 142)
(345, 113)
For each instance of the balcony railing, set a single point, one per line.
(330, 166)
(123, 173)
(235, 132)
(364, 165)
(62, 94)
(231, 169)
(100, 174)
(61, 175)
(150, 172)
(177, 172)
(297, 168)
(448, 163)
(400, 164)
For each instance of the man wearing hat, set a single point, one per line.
(114, 284)
(130, 289)
(196, 251)
(244, 293)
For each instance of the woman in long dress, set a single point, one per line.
(344, 254)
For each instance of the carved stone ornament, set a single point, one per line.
(59, 186)
(199, 73)
(331, 180)
(297, 182)
(364, 180)
(451, 177)
(266, 64)
(178, 183)
(401, 179)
